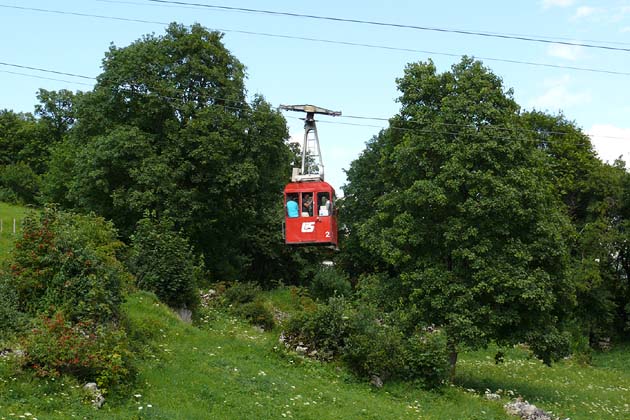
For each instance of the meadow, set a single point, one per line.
(226, 369)
(8, 214)
(221, 367)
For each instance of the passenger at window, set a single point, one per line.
(292, 205)
(307, 205)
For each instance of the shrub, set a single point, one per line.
(240, 293)
(328, 282)
(164, 263)
(326, 329)
(368, 344)
(426, 358)
(11, 319)
(257, 313)
(67, 262)
(86, 350)
(373, 348)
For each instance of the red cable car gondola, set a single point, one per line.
(310, 214)
(312, 220)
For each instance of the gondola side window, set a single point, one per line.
(324, 204)
(292, 205)
(307, 204)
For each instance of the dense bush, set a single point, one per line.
(426, 358)
(369, 345)
(325, 329)
(86, 350)
(11, 319)
(328, 282)
(241, 293)
(257, 313)
(164, 263)
(373, 348)
(67, 262)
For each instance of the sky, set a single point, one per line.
(589, 84)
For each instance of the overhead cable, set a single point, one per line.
(548, 37)
(391, 24)
(45, 70)
(44, 78)
(331, 41)
(241, 108)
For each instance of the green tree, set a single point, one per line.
(23, 155)
(592, 192)
(163, 263)
(453, 205)
(168, 129)
(56, 112)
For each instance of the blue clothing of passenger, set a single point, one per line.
(292, 208)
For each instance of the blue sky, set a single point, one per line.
(359, 81)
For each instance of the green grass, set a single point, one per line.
(8, 213)
(568, 389)
(225, 369)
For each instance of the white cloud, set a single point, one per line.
(584, 11)
(610, 142)
(568, 52)
(558, 96)
(560, 3)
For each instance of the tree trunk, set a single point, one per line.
(452, 358)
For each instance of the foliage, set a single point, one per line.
(370, 344)
(18, 184)
(56, 112)
(86, 350)
(224, 370)
(426, 358)
(373, 347)
(592, 192)
(464, 219)
(164, 263)
(11, 319)
(241, 293)
(168, 129)
(257, 313)
(328, 282)
(325, 329)
(66, 262)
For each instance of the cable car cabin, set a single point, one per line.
(310, 216)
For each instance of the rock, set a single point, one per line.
(526, 411)
(184, 314)
(95, 394)
(376, 381)
(301, 349)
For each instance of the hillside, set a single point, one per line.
(227, 369)
(8, 213)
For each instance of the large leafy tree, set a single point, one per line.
(452, 212)
(592, 192)
(168, 128)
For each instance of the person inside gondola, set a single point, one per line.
(324, 204)
(307, 205)
(292, 205)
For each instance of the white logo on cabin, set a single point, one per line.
(308, 227)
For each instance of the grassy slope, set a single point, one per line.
(9, 212)
(228, 370)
